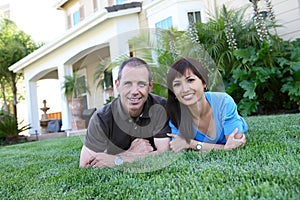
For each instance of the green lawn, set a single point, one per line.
(268, 167)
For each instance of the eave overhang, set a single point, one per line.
(72, 33)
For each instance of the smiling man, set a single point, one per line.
(132, 126)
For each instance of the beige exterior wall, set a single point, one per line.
(143, 19)
(287, 14)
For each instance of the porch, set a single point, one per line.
(45, 136)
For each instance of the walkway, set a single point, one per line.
(57, 135)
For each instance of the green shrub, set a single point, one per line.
(9, 126)
(267, 78)
(262, 74)
(291, 72)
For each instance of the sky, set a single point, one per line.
(38, 18)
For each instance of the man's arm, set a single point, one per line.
(139, 148)
(234, 140)
(87, 157)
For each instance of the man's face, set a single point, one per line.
(134, 88)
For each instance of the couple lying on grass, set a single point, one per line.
(138, 123)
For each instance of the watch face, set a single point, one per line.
(118, 160)
(198, 146)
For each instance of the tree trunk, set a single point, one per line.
(5, 106)
(14, 89)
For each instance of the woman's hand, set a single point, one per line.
(235, 140)
(178, 143)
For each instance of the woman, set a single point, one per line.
(200, 120)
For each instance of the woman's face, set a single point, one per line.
(188, 89)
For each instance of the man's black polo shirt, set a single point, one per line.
(111, 130)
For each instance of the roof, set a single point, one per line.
(115, 8)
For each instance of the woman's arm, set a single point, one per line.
(180, 144)
(234, 140)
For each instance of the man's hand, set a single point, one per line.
(178, 144)
(235, 140)
(102, 160)
(89, 158)
(140, 146)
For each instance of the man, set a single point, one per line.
(131, 126)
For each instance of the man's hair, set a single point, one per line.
(134, 62)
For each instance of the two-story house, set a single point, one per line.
(99, 30)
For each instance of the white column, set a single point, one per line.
(64, 70)
(32, 106)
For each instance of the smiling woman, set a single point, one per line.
(201, 120)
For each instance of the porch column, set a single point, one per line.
(32, 106)
(64, 70)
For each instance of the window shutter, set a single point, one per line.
(110, 2)
(95, 3)
(81, 11)
(68, 21)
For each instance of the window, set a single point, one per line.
(118, 2)
(76, 15)
(164, 24)
(108, 81)
(194, 17)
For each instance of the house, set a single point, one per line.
(98, 31)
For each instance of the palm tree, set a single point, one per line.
(160, 48)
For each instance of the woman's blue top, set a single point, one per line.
(225, 115)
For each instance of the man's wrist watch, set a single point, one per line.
(198, 146)
(118, 160)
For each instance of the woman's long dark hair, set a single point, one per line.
(178, 113)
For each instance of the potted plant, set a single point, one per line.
(73, 88)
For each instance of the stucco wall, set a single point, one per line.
(287, 14)
(159, 10)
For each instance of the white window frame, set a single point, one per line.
(74, 9)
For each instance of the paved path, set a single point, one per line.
(57, 135)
